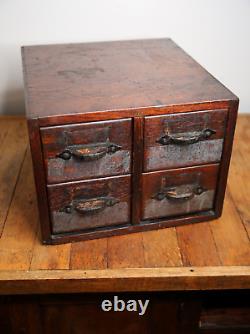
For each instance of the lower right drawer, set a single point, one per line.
(178, 191)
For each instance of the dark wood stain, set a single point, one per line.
(61, 197)
(136, 74)
(128, 93)
(186, 179)
(158, 156)
(57, 139)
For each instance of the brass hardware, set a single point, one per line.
(186, 138)
(180, 193)
(90, 206)
(89, 152)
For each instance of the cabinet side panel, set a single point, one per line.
(39, 175)
(226, 156)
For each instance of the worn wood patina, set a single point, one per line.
(131, 115)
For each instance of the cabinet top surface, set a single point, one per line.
(210, 255)
(78, 78)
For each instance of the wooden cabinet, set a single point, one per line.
(125, 136)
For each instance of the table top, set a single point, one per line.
(210, 255)
(68, 79)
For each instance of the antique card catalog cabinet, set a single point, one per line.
(125, 137)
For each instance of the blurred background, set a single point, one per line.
(214, 32)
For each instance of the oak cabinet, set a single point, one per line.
(125, 136)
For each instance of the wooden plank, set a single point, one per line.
(25, 316)
(239, 182)
(161, 248)
(197, 245)
(13, 146)
(239, 186)
(125, 251)
(91, 254)
(242, 135)
(50, 257)
(4, 128)
(230, 236)
(140, 279)
(17, 241)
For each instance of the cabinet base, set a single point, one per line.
(120, 230)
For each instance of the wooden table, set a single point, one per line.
(213, 255)
(204, 256)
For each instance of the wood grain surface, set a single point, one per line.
(162, 191)
(81, 78)
(184, 125)
(210, 255)
(87, 136)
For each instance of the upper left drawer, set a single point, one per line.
(87, 150)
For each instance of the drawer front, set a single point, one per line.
(87, 150)
(178, 191)
(87, 205)
(184, 139)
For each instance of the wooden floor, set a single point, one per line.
(214, 255)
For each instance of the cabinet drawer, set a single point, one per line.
(178, 191)
(87, 150)
(185, 139)
(87, 205)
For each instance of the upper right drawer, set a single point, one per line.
(183, 139)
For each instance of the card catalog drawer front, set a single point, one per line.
(88, 205)
(178, 191)
(185, 139)
(87, 150)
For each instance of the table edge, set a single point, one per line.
(122, 280)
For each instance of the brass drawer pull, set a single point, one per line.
(90, 206)
(186, 138)
(89, 152)
(180, 193)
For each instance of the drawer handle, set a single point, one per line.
(89, 152)
(89, 206)
(179, 194)
(186, 138)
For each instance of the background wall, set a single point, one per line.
(215, 32)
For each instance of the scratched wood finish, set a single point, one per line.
(177, 182)
(90, 77)
(91, 210)
(58, 139)
(206, 150)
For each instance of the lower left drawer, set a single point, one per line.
(87, 205)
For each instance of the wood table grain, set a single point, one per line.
(204, 256)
